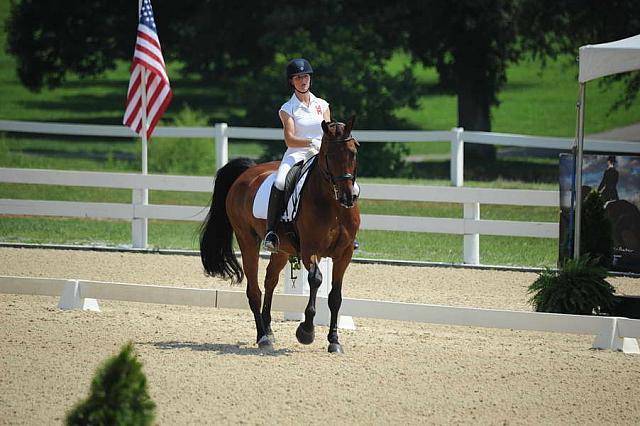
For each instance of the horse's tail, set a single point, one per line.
(216, 234)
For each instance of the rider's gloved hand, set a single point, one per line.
(315, 143)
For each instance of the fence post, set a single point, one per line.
(472, 241)
(457, 157)
(139, 226)
(222, 144)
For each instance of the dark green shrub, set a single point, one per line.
(118, 395)
(595, 226)
(183, 156)
(578, 287)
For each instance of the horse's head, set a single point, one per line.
(338, 160)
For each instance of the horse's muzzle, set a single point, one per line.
(348, 198)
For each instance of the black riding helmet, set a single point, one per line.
(298, 66)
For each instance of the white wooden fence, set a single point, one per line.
(138, 211)
(470, 225)
(221, 133)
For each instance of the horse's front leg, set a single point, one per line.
(277, 262)
(335, 301)
(305, 332)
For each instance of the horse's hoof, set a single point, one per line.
(335, 348)
(271, 337)
(305, 337)
(265, 343)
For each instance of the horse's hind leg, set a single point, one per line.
(276, 264)
(305, 332)
(249, 246)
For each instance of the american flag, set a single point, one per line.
(147, 59)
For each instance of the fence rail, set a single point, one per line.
(221, 133)
(470, 225)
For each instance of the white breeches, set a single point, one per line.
(291, 157)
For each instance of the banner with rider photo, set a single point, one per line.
(617, 179)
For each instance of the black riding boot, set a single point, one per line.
(274, 213)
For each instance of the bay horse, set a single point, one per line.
(326, 225)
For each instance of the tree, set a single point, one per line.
(350, 61)
(349, 72)
(87, 38)
(550, 28)
(470, 42)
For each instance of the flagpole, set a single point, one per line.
(144, 114)
(577, 225)
(148, 67)
(145, 125)
(144, 193)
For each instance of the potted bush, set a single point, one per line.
(118, 395)
(578, 287)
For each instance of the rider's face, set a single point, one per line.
(301, 82)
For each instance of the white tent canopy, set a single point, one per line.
(597, 60)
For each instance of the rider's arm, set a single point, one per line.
(290, 138)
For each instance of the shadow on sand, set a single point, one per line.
(240, 348)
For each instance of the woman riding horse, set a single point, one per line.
(301, 117)
(326, 225)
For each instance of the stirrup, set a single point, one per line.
(271, 242)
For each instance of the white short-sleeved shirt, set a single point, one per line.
(307, 119)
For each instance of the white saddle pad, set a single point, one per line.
(261, 202)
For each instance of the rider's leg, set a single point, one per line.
(276, 201)
(276, 205)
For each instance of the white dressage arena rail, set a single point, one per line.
(614, 333)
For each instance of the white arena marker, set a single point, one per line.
(71, 300)
(296, 282)
(610, 338)
(628, 345)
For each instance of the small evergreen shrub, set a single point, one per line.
(118, 395)
(183, 156)
(579, 287)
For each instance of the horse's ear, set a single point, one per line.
(350, 124)
(325, 127)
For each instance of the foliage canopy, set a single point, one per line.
(242, 46)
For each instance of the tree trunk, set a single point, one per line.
(474, 114)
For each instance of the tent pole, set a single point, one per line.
(578, 165)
